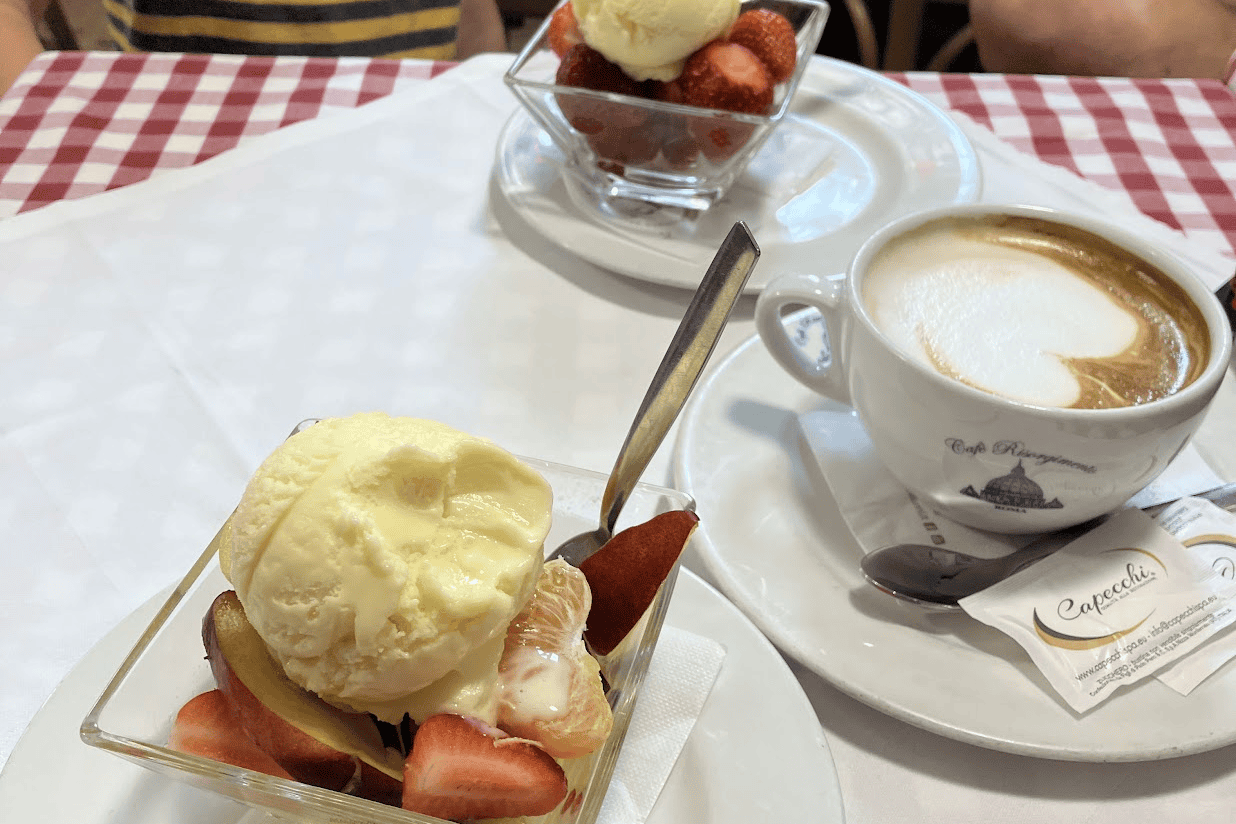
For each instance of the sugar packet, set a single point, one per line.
(1209, 533)
(1111, 608)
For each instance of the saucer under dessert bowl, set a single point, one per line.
(167, 667)
(627, 154)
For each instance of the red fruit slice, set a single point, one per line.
(678, 146)
(296, 727)
(770, 37)
(717, 138)
(380, 787)
(624, 146)
(307, 759)
(205, 726)
(669, 91)
(551, 687)
(563, 30)
(625, 574)
(723, 75)
(458, 771)
(584, 67)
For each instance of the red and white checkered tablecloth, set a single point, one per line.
(79, 123)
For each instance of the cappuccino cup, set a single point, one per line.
(1020, 369)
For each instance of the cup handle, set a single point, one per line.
(825, 294)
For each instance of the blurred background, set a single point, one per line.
(898, 35)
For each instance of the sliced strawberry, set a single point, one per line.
(624, 147)
(205, 726)
(307, 759)
(458, 770)
(584, 67)
(625, 574)
(770, 37)
(718, 138)
(669, 91)
(678, 146)
(728, 76)
(563, 30)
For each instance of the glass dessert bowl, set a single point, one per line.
(166, 669)
(624, 152)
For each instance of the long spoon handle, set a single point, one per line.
(680, 368)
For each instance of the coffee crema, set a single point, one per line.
(1037, 312)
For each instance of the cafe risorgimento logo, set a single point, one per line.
(1015, 490)
(1094, 618)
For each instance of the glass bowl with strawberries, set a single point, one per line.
(202, 699)
(669, 110)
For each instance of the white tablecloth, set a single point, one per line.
(157, 341)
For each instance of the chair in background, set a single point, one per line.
(58, 31)
(905, 29)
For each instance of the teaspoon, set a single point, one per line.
(682, 364)
(937, 577)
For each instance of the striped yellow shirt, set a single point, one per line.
(343, 28)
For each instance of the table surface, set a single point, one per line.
(77, 124)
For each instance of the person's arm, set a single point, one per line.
(1118, 38)
(480, 28)
(18, 42)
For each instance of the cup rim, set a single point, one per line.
(1221, 333)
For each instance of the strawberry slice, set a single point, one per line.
(563, 30)
(460, 769)
(624, 147)
(723, 75)
(770, 37)
(718, 139)
(626, 573)
(205, 726)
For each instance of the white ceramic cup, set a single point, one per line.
(979, 458)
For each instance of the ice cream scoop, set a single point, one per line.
(381, 560)
(650, 39)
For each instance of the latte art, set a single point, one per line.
(1036, 312)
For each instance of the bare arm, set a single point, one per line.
(18, 42)
(480, 28)
(1124, 38)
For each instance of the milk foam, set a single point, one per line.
(1002, 319)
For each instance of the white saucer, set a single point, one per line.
(856, 151)
(771, 536)
(777, 768)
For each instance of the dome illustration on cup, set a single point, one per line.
(1014, 489)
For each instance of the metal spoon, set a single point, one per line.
(937, 577)
(689, 350)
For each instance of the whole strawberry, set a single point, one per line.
(770, 37)
(724, 75)
(584, 67)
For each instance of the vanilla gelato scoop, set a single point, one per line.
(381, 559)
(651, 39)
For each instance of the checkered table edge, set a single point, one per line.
(77, 123)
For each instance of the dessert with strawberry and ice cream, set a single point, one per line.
(708, 54)
(393, 631)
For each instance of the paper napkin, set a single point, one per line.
(680, 677)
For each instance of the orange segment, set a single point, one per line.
(550, 687)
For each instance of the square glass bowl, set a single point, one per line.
(677, 155)
(167, 667)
